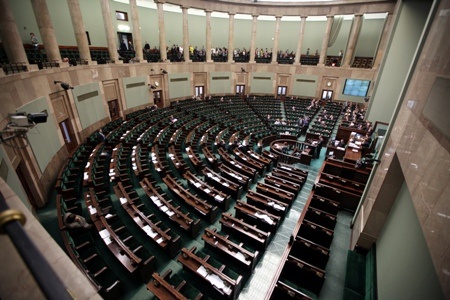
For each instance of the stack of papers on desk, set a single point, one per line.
(241, 256)
(276, 206)
(264, 217)
(92, 210)
(149, 231)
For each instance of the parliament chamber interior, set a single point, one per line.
(224, 149)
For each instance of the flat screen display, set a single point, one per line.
(356, 87)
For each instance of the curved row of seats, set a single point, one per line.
(176, 200)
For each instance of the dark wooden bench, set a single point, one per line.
(225, 286)
(249, 232)
(224, 246)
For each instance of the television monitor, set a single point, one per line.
(356, 87)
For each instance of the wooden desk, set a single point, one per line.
(256, 216)
(195, 160)
(236, 177)
(320, 217)
(126, 256)
(289, 176)
(347, 200)
(275, 192)
(303, 274)
(284, 291)
(316, 234)
(352, 154)
(163, 289)
(341, 183)
(210, 157)
(205, 209)
(223, 184)
(176, 158)
(240, 228)
(163, 238)
(250, 162)
(310, 252)
(223, 284)
(208, 192)
(324, 204)
(283, 184)
(236, 166)
(223, 245)
(173, 212)
(267, 203)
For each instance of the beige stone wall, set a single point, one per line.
(423, 155)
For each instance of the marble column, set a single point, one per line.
(162, 30)
(382, 45)
(46, 29)
(326, 38)
(79, 30)
(253, 41)
(208, 36)
(109, 31)
(349, 52)
(137, 39)
(186, 45)
(9, 34)
(231, 37)
(276, 39)
(298, 52)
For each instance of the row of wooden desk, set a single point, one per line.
(132, 255)
(183, 219)
(302, 275)
(148, 222)
(205, 209)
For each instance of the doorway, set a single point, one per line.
(327, 95)
(199, 92)
(158, 99)
(113, 108)
(23, 175)
(126, 38)
(281, 91)
(240, 89)
(68, 135)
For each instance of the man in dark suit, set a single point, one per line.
(319, 146)
(101, 136)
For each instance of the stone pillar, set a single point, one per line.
(109, 31)
(276, 39)
(253, 42)
(46, 29)
(162, 30)
(231, 37)
(383, 42)
(79, 30)
(186, 45)
(208, 36)
(11, 41)
(326, 38)
(298, 52)
(137, 39)
(349, 52)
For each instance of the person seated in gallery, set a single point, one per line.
(366, 141)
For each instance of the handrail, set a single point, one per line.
(11, 222)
